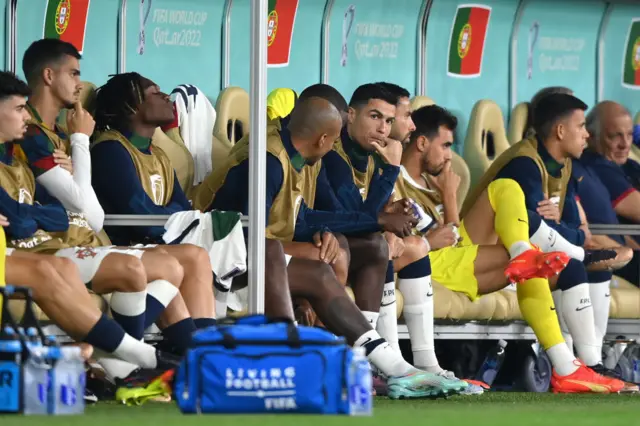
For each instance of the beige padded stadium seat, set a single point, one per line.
(232, 122)
(486, 138)
(625, 299)
(179, 155)
(518, 122)
(420, 101)
(461, 169)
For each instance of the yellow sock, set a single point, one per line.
(511, 218)
(538, 310)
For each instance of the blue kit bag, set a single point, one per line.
(254, 365)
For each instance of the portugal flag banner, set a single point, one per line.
(466, 44)
(282, 16)
(631, 63)
(67, 20)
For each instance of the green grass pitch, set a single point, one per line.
(492, 409)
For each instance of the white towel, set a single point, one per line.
(196, 117)
(220, 234)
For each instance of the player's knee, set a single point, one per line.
(133, 275)
(572, 275)
(377, 249)
(415, 248)
(170, 269)
(195, 257)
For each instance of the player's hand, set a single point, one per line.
(441, 237)
(80, 121)
(4, 221)
(400, 206)
(396, 245)
(447, 182)
(63, 160)
(400, 224)
(548, 210)
(304, 313)
(390, 150)
(328, 245)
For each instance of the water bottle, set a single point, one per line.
(37, 382)
(492, 363)
(10, 372)
(69, 381)
(360, 384)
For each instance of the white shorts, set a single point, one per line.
(88, 259)
(9, 251)
(287, 258)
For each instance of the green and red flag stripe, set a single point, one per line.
(631, 70)
(66, 20)
(280, 22)
(466, 45)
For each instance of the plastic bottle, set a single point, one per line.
(36, 376)
(360, 384)
(492, 363)
(69, 380)
(10, 372)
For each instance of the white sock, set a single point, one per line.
(578, 313)
(116, 368)
(130, 304)
(383, 356)
(163, 291)
(549, 240)
(388, 320)
(557, 301)
(562, 359)
(418, 314)
(221, 303)
(372, 317)
(600, 298)
(136, 352)
(518, 248)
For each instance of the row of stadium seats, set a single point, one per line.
(485, 140)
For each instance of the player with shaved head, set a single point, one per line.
(294, 146)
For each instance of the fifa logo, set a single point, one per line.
(157, 189)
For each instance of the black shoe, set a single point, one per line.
(607, 259)
(604, 371)
(89, 397)
(167, 361)
(138, 378)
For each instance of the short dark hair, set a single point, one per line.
(428, 120)
(327, 92)
(398, 91)
(117, 99)
(366, 92)
(553, 108)
(543, 93)
(44, 53)
(10, 85)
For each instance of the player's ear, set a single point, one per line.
(421, 143)
(351, 115)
